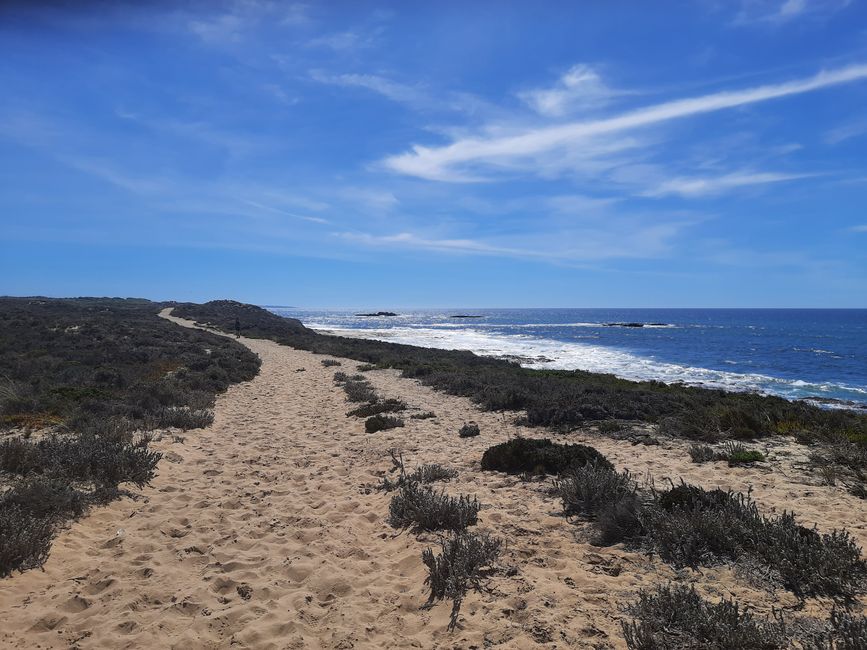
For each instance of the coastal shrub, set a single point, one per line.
(419, 508)
(381, 423)
(25, 539)
(609, 426)
(181, 418)
(590, 489)
(675, 617)
(366, 367)
(359, 391)
(463, 561)
(380, 406)
(46, 498)
(426, 473)
(539, 456)
(689, 526)
(847, 631)
(340, 377)
(423, 416)
(611, 498)
(469, 430)
(329, 363)
(702, 453)
(734, 453)
(102, 460)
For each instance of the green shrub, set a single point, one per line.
(366, 367)
(459, 567)
(539, 456)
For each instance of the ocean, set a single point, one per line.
(815, 354)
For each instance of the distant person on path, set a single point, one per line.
(237, 327)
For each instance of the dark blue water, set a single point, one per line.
(793, 353)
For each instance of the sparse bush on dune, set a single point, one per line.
(469, 430)
(328, 363)
(463, 561)
(381, 423)
(366, 367)
(689, 526)
(702, 453)
(25, 540)
(678, 618)
(427, 415)
(419, 507)
(426, 473)
(359, 391)
(590, 489)
(380, 406)
(735, 453)
(539, 456)
(846, 631)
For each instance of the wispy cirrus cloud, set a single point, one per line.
(393, 90)
(709, 185)
(846, 132)
(778, 12)
(466, 158)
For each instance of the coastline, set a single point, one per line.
(275, 500)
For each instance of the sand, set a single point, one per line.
(265, 530)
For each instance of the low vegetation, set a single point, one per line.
(427, 415)
(734, 453)
(463, 561)
(330, 363)
(469, 430)
(426, 473)
(688, 526)
(539, 456)
(78, 379)
(381, 423)
(419, 507)
(379, 406)
(677, 618)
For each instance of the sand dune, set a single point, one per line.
(263, 531)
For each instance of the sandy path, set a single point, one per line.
(261, 531)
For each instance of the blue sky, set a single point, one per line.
(407, 154)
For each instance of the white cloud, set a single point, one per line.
(462, 159)
(846, 132)
(702, 186)
(580, 88)
(392, 90)
(861, 228)
(776, 12)
(270, 208)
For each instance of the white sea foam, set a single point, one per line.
(537, 352)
